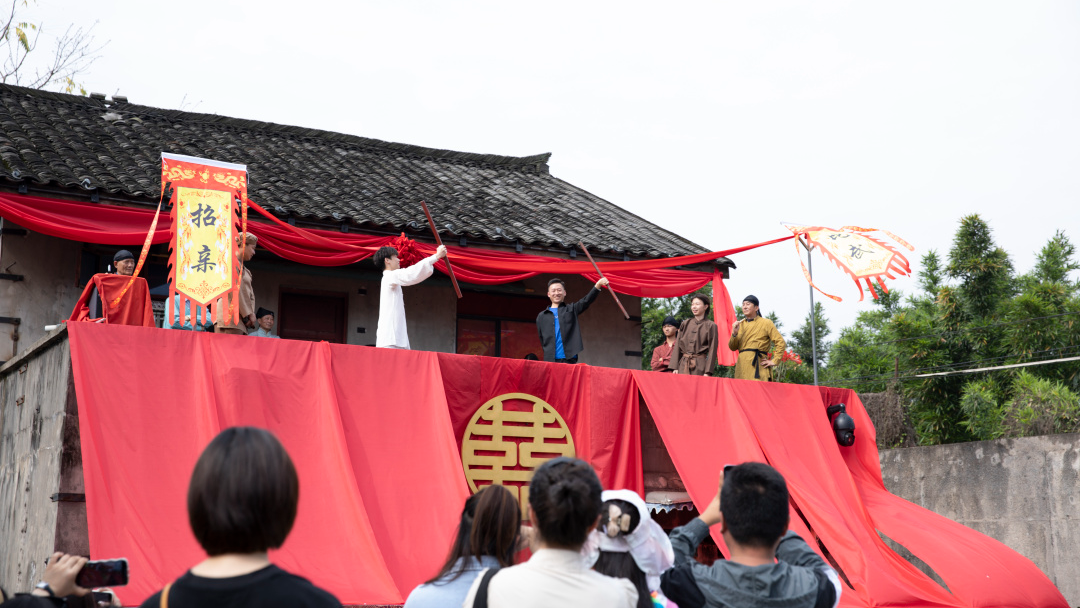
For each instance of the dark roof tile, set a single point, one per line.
(84, 143)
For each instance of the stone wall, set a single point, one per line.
(40, 463)
(1022, 492)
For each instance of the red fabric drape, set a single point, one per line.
(999, 577)
(112, 225)
(134, 307)
(839, 491)
(374, 434)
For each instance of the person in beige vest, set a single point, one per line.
(246, 299)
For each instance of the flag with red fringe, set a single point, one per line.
(205, 262)
(864, 258)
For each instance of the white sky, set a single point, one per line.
(714, 119)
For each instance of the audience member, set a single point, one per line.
(629, 544)
(769, 565)
(558, 323)
(487, 537)
(265, 319)
(241, 502)
(246, 299)
(661, 355)
(57, 583)
(694, 352)
(564, 506)
(392, 332)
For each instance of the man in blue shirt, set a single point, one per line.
(558, 324)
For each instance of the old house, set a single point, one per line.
(103, 153)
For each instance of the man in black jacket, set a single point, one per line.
(558, 325)
(769, 565)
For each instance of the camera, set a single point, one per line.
(843, 426)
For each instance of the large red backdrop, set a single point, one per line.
(375, 437)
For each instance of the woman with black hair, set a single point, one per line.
(487, 537)
(242, 501)
(629, 544)
(564, 506)
(694, 352)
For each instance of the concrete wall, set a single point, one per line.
(39, 457)
(48, 291)
(1022, 492)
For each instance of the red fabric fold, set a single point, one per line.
(113, 225)
(979, 570)
(134, 307)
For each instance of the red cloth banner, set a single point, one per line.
(112, 225)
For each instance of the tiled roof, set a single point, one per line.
(114, 147)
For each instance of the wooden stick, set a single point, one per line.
(438, 241)
(610, 290)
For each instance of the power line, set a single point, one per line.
(997, 367)
(933, 368)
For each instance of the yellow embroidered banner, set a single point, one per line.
(205, 261)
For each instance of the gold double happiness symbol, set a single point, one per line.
(507, 438)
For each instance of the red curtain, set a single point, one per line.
(838, 490)
(112, 225)
(998, 577)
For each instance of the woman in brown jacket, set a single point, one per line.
(695, 349)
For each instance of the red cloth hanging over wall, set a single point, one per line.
(839, 490)
(133, 309)
(946, 546)
(374, 435)
(112, 225)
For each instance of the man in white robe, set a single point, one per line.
(391, 332)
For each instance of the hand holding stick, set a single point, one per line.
(438, 241)
(602, 277)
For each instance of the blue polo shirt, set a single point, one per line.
(559, 352)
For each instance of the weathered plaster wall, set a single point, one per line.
(37, 415)
(1022, 492)
(46, 295)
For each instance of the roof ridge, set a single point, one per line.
(534, 163)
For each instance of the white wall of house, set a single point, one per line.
(51, 270)
(48, 291)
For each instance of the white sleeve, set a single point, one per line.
(413, 274)
(651, 548)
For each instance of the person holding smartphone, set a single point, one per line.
(769, 564)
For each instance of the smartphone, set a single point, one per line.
(728, 467)
(103, 598)
(103, 573)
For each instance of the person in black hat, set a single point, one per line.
(759, 343)
(124, 263)
(661, 355)
(265, 319)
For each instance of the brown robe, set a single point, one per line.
(695, 350)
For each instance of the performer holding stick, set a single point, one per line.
(558, 324)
